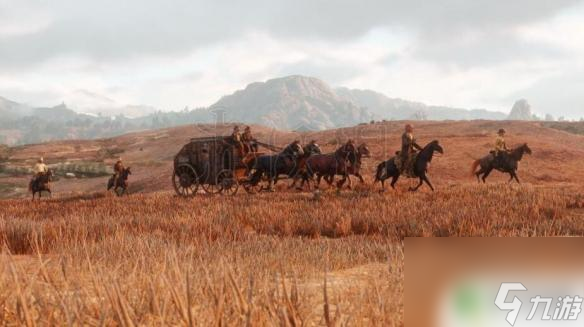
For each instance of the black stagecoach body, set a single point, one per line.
(213, 163)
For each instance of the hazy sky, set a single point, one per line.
(170, 54)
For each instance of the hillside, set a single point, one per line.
(287, 103)
(381, 106)
(556, 159)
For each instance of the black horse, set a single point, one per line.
(507, 163)
(41, 183)
(272, 166)
(120, 183)
(388, 168)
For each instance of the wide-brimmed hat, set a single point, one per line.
(409, 127)
(501, 131)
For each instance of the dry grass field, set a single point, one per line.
(287, 258)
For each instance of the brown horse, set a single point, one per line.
(309, 150)
(355, 168)
(120, 183)
(330, 165)
(507, 163)
(41, 183)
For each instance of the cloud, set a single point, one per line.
(111, 29)
(170, 54)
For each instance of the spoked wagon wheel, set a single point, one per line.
(185, 180)
(226, 178)
(211, 187)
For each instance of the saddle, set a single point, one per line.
(406, 169)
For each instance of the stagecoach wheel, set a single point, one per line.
(229, 185)
(212, 188)
(185, 180)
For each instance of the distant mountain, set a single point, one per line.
(383, 107)
(287, 103)
(12, 110)
(97, 104)
(294, 102)
(521, 111)
(20, 124)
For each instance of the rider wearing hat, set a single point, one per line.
(500, 145)
(409, 146)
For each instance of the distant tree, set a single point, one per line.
(562, 118)
(549, 117)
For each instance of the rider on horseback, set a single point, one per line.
(118, 169)
(408, 149)
(39, 169)
(500, 147)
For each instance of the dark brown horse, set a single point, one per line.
(120, 183)
(388, 168)
(41, 183)
(330, 165)
(309, 150)
(507, 163)
(355, 168)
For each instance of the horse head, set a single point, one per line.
(363, 150)
(526, 149)
(436, 147)
(127, 171)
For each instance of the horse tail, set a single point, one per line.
(379, 172)
(474, 166)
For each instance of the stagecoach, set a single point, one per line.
(214, 164)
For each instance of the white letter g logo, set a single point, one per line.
(514, 306)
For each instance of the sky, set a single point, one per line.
(173, 54)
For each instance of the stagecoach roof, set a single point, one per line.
(209, 138)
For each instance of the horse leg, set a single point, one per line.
(330, 180)
(342, 181)
(514, 175)
(394, 180)
(486, 174)
(478, 174)
(425, 178)
(360, 178)
(350, 185)
(417, 186)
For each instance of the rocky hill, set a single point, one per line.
(384, 107)
(294, 102)
(521, 111)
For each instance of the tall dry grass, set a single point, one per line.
(271, 259)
